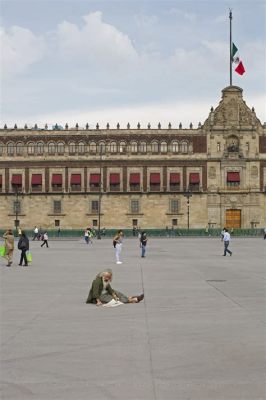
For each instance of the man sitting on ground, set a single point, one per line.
(101, 291)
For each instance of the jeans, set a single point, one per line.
(226, 244)
(143, 250)
(23, 257)
(118, 249)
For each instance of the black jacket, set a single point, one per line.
(23, 243)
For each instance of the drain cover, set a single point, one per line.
(216, 280)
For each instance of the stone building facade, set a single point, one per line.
(214, 175)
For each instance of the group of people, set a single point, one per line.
(118, 240)
(23, 246)
(39, 235)
(88, 235)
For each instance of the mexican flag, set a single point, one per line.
(236, 59)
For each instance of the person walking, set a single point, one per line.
(90, 235)
(35, 233)
(226, 240)
(45, 239)
(117, 242)
(264, 233)
(23, 245)
(9, 246)
(143, 242)
(86, 235)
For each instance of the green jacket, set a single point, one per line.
(96, 290)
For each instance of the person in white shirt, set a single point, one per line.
(45, 239)
(117, 242)
(36, 231)
(226, 240)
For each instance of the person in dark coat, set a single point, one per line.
(143, 242)
(101, 291)
(24, 246)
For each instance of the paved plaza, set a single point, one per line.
(200, 334)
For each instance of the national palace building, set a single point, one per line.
(138, 176)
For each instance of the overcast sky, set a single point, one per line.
(126, 61)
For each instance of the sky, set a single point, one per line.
(82, 61)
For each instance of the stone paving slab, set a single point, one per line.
(200, 334)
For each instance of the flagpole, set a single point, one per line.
(230, 18)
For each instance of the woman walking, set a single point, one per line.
(117, 242)
(143, 242)
(9, 246)
(24, 246)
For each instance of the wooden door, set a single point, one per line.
(233, 219)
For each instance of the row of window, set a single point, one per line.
(114, 181)
(134, 207)
(52, 148)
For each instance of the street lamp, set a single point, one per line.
(188, 194)
(100, 196)
(17, 207)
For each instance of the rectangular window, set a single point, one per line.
(75, 182)
(1, 183)
(174, 206)
(134, 206)
(134, 182)
(174, 222)
(174, 181)
(57, 223)
(57, 207)
(134, 222)
(95, 222)
(36, 182)
(233, 179)
(16, 207)
(95, 206)
(115, 182)
(16, 182)
(155, 182)
(194, 181)
(218, 146)
(57, 182)
(95, 182)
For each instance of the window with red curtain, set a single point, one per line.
(16, 179)
(114, 179)
(134, 178)
(194, 177)
(95, 178)
(1, 181)
(155, 178)
(174, 178)
(233, 177)
(36, 179)
(57, 179)
(75, 179)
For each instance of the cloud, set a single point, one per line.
(20, 48)
(182, 15)
(96, 42)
